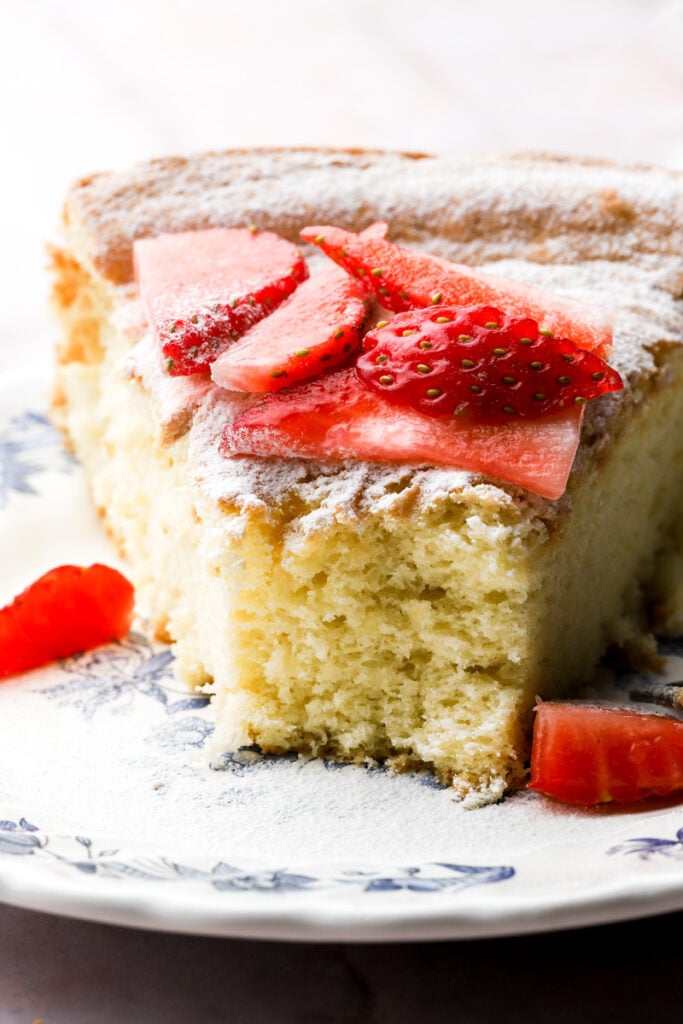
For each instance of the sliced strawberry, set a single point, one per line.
(316, 329)
(67, 610)
(588, 754)
(337, 417)
(480, 363)
(404, 279)
(203, 289)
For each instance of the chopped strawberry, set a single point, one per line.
(203, 289)
(67, 610)
(316, 329)
(403, 279)
(337, 417)
(590, 754)
(480, 363)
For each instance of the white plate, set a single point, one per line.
(110, 811)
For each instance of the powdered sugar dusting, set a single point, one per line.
(592, 232)
(646, 315)
(538, 208)
(330, 490)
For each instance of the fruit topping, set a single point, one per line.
(590, 754)
(203, 289)
(337, 417)
(316, 329)
(481, 364)
(69, 609)
(403, 279)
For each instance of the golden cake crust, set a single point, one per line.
(535, 207)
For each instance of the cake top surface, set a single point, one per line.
(601, 234)
(531, 207)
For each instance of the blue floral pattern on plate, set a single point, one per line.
(115, 675)
(28, 448)
(24, 839)
(647, 847)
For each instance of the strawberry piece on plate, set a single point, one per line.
(403, 279)
(337, 417)
(203, 289)
(69, 609)
(480, 363)
(590, 754)
(316, 329)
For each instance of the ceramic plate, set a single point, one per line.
(111, 811)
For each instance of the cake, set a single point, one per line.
(398, 613)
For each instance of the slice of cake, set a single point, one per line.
(370, 611)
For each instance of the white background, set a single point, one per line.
(87, 85)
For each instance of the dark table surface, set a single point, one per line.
(61, 971)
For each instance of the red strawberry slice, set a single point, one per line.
(480, 363)
(337, 417)
(403, 279)
(69, 609)
(203, 289)
(316, 329)
(590, 754)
